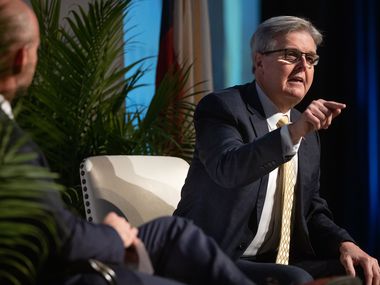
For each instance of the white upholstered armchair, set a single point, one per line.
(140, 188)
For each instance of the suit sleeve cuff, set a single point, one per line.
(288, 148)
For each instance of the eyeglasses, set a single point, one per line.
(292, 55)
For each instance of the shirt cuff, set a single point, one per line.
(288, 148)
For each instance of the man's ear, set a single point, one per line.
(258, 57)
(19, 60)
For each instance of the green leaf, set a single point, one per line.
(77, 106)
(28, 230)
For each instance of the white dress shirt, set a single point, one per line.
(6, 106)
(273, 116)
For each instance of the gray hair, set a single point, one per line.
(264, 37)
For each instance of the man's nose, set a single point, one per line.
(303, 62)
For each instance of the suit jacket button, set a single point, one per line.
(242, 245)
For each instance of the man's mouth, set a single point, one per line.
(297, 79)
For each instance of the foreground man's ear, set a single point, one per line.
(19, 60)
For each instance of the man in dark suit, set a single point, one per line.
(178, 250)
(234, 189)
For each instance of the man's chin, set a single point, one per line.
(295, 97)
(10, 95)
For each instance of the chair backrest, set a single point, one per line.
(139, 187)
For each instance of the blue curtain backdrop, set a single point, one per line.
(142, 30)
(348, 72)
(367, 33)
(231, 26)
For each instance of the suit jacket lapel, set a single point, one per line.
(300, 238)
(260, 128)
(255, 109)
(302, 155)
(302, 163)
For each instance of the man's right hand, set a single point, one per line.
(127, 233)
(318, 115)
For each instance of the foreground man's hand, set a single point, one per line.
(127, 233)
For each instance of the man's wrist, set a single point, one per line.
(344, 244)
(295, 134)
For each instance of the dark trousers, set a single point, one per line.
(273, 274)
(181, 251)
(125, 276)
(181, 254)
(324, 268)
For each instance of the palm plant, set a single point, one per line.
(167, 128)
(76, 106)
(27, 228)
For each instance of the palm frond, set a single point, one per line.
(167, 128)
(27, 228)
(79, 91)
(76, 107)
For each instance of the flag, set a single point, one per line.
(185, 39)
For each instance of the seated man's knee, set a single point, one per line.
(170, 225)
(297, 274)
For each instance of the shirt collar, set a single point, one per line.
(272, 114)
(6, 107)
